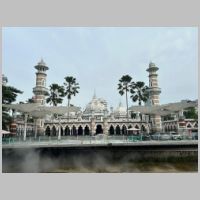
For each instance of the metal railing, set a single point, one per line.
(48, 140)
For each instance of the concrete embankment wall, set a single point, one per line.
(45, 159)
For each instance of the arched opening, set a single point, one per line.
(189, 126)
(54, 131)
(137, 127)
(48, 131)
(129, 126)
(124, 129)
(74, 130)
(117, 130)
(165, 128)
(67, 130)
(99, 129)
(86, 131)
(80, 130)
(111, 130)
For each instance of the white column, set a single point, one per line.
(59, 132)
(25, 125)
(35, 128)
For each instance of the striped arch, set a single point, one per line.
(189, 125)
(137, 126)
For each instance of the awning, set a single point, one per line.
(37, 110)
(164, 109)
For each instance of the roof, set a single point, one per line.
(164, 109)
(35, 109)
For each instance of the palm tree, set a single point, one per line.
(55, 95)
(71, 89)
(124, 86)
(139, 92)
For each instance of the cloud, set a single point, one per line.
(98, 57)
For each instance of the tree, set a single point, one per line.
(71, 89)
(55, 95)
(124, 86)
(139, 92)
(190, 113)
(9, 95)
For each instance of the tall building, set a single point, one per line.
(154, 92)
(40, 91)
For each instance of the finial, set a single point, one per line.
(41, 62)
(94, 96)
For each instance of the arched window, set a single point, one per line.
(67, 130)
(124, 129)
(99, 129)
(111, 130)
(54, 131)
(80, 130)
(86, 130)
(48, 131)
(117, 130)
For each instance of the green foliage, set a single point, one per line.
(124, 86)
(9, 95)
(190, 113)
(71, 88)
(55, 95)
(139, 92)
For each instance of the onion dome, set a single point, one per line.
(120, 111)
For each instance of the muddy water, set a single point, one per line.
(186, 167)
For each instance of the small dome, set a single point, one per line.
(120, 110)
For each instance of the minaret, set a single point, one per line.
(154, 92)
(40, 89)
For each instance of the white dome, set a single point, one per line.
(120, 110)
(96, 106)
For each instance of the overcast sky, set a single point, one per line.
(98, 57)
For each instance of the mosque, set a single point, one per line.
(96, 118)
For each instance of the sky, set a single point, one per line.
(99, 56)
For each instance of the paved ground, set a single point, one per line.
(103, 142)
